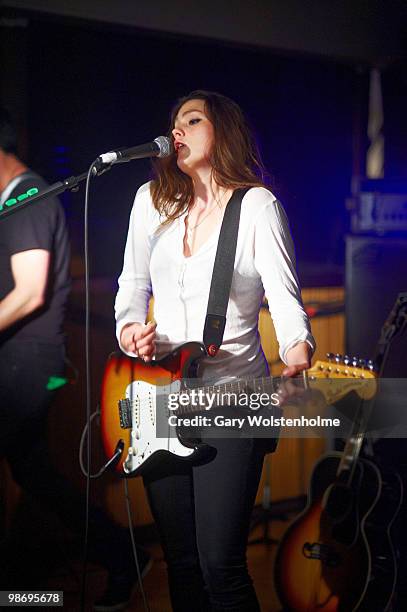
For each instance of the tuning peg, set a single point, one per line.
(370, 365)
(338, 358)
(346, 360)
(355, 361)
(330, 356)
(362, 363)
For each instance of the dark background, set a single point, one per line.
(299, 68)
(90, 87)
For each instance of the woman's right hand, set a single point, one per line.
(139, 339)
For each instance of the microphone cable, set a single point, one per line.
(86, 469)
(88, 384)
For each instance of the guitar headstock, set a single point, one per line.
(344, 374)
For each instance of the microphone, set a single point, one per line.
(160, 147)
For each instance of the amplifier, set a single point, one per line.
(376, 272)
(379, 213)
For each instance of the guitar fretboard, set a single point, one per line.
(199, 399)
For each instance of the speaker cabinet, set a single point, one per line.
(376, 272)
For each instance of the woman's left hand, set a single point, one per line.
(298, 360)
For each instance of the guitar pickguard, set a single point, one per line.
(147, 404)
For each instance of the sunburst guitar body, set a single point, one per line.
(338, 556)
(129, 407)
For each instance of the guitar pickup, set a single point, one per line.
(125, 413)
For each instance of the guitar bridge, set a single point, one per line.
(125, 413)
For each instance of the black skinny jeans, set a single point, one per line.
(203, 516)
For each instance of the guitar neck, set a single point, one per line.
(201, 399)
(332, 380)
(354, 443)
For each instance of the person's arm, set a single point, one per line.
(139, 340)
(30, 274)
(275, 262)
(298, 358)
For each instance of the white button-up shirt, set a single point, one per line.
(154, 264)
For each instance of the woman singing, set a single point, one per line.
(203, 511)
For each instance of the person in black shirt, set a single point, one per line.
(34, 285)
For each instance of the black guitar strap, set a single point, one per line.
(222, 274)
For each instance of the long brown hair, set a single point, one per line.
(235, 159)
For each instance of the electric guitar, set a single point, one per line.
(135, 405)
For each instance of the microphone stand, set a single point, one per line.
(71, 183)
(264, 514)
